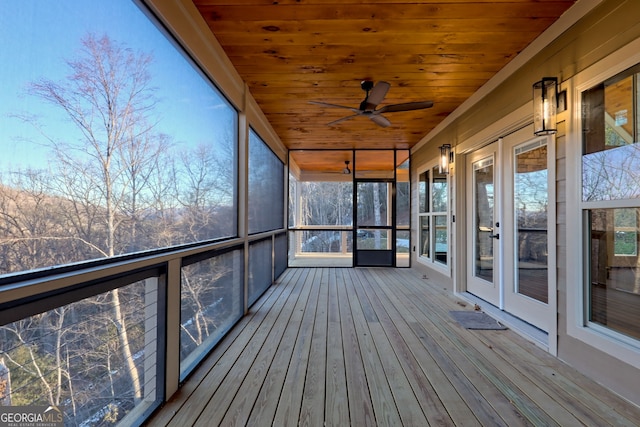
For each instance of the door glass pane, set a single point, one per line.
(373, 204)
(531, 201)
(483, 219)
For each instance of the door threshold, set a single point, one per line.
(525, 329)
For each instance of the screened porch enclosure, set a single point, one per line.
(141, 214)
(189, 239)
(352, 211)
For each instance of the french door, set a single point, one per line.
(483, 250)
(529, 206)
(510, 219)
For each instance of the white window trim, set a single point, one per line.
(430, 261)
(617, 345)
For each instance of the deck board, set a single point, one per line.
(265, 406)
(336, 405)
(288, 408)
(360, 406)
(384, 408)
(377, 346)
(312, 409)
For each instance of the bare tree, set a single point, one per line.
(206, 301)
(110, 188)
(108, 97)
(33, 232)
(198, 193)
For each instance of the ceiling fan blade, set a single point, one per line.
(335, 122)
(376, 95)
(326, 104)
(407, 106)
(380, 120)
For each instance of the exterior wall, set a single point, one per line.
(609, 26)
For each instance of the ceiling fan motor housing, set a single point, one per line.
(366, 85)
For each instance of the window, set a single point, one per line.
(266, 187)
(83, 178)
(611, 202)
(433, 201)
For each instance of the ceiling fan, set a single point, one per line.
(346, 170)
(375, 95)
(343, 171)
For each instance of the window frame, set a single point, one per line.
(621, 346)
(432, 217)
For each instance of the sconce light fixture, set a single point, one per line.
(446, 158)
(545, 105)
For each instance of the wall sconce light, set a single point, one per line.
(545, 105)
(446, 158)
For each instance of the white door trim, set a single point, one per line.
(514, 121)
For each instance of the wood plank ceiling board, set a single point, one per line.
(291, 52)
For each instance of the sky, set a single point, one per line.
(38, 36)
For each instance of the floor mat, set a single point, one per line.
(476, 320)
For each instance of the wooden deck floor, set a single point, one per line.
(362, 347)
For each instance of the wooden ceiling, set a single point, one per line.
(290, 52)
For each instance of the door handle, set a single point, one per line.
(494, 236)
